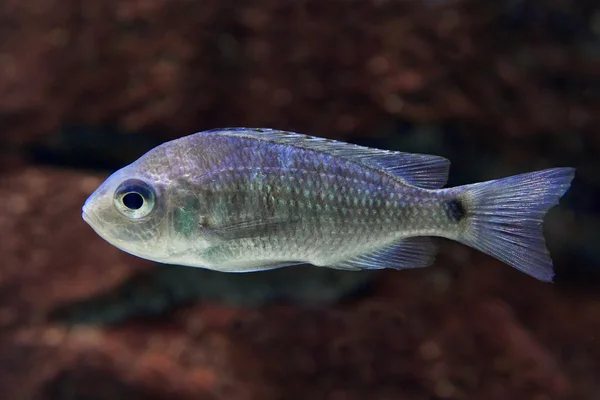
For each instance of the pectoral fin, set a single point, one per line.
(251, 228)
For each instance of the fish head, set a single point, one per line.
(129, 209)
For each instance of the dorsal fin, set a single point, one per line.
(423, 170)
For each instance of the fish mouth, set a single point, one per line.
(86, 218)
(90, 219)
(95, 224)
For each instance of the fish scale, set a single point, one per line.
(242, 199)
(327, 220)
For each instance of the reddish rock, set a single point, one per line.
(49, 254)
(315, 67)
(481, 330)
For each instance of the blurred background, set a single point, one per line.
(499, 87)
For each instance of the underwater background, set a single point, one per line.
(498, 87)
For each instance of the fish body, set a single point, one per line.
(241, 199)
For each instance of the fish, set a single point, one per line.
(253, 199)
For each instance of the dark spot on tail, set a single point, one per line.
(455, 210)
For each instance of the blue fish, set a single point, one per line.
(242, 199)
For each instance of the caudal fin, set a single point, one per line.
(504, 218)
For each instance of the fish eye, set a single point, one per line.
(134, 198)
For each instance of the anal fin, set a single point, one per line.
(415, 252)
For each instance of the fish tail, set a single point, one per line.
(504, 218)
